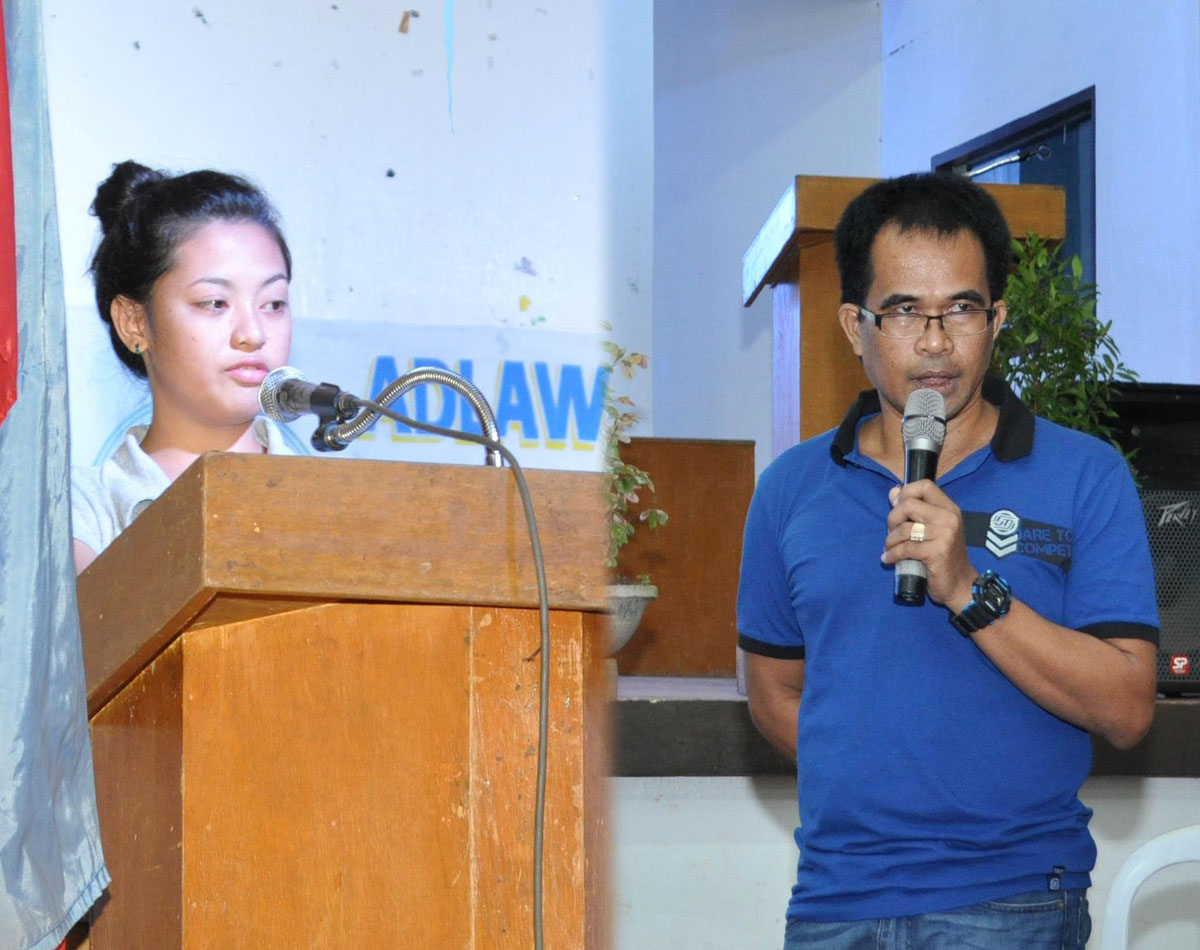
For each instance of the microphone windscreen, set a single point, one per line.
(268, 393)
(925, 417)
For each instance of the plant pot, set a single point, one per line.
(626, 604)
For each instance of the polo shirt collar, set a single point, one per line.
(1012, 439)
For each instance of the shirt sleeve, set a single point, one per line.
(87, 514)
(1110, 589)
(766, 619)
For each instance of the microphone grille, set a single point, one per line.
(925, 417)
(268, 393)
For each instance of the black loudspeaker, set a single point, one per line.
(1161, 422)
(1173, 523)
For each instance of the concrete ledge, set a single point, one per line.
(700, 726)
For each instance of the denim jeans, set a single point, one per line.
(1039, 920)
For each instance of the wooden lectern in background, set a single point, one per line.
(817, 375)
(313, 687)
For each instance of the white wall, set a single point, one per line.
(746, 95)
(628, 116)
(473, 171)
(708, 863)
(318, 101)
(702, 862)
(955, 69)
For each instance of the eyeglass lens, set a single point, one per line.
(953, 323)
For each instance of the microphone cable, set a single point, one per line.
(539, 564)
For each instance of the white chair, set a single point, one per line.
(1172, 847)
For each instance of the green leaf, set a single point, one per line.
(1058, 355)
(625, 481)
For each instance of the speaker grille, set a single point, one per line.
(1173, 523)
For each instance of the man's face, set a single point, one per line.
(929, 273)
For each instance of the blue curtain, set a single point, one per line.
(50, 853)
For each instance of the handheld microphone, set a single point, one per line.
(924, 429)
(285, 394)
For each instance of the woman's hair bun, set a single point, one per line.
(119, 189)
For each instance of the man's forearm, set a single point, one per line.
(1103, 686)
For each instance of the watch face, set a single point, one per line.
(992, 600)
(994, 595)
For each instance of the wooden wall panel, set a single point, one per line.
(358, 775)
(705, 487)
(326, 795)
(504, 736)
(137, 744)
(831, 376)
(598, 755)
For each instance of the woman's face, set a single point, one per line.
(219, 321)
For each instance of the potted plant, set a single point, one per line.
(624, 483)
(1054, 351)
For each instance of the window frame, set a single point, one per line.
(1078, 107)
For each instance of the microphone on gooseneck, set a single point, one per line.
(924, 429)
(285, 395)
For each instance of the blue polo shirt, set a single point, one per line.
(926, 779)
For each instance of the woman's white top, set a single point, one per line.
(106, 498)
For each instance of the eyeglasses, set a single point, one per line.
(904, 324)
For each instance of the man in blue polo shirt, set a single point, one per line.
(940, 748)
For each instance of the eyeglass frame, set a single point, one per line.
(877, 318)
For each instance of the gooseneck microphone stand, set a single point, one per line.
(343, 418)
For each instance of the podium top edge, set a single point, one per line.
(809, 209)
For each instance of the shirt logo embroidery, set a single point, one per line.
(1003, 533)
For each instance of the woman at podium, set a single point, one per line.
(191, 276)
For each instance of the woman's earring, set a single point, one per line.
(137, 349)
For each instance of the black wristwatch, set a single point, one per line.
(990, 599)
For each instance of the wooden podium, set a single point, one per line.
(313, 687)
(817, 375)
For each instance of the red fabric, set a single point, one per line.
(8, 250)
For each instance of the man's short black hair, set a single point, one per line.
(937, 202)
